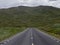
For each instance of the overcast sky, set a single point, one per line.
(13, 3)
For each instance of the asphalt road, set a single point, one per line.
(31, 37)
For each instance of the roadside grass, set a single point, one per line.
(55, 35)
(47, 18)
(51, 32)
(6, 32)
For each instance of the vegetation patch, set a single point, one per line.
(7, 32)
(46, 18)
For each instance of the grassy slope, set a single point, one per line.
(43, 17)
(6, 32)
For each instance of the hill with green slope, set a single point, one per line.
(43, 17)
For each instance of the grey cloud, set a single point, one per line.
(11, 3)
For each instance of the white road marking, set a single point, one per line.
(32, 38)
(8, 40)
(58, 41)
(5, 42)
(54, 39)
(32, 44)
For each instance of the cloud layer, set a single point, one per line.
(13, 3)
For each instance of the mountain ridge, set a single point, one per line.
(30, 7)
(43, 17)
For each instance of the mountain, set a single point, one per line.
(44, 17)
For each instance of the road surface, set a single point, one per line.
(31, 37)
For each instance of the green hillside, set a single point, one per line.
(29, 16)
(44, 17)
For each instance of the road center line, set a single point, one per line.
(32, 37)
(32, 44)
